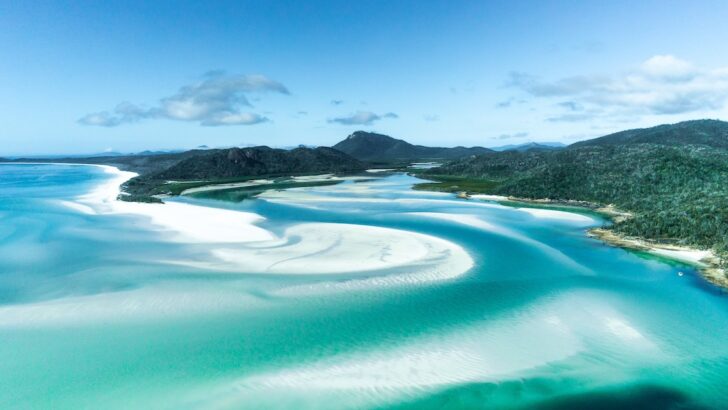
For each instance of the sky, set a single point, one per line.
(82, 77)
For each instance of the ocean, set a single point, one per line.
(363, 294)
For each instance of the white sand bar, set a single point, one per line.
(217, 187)
(558, 215)
(185, 223)
(329, 248)
(309, 248)
(489, 197)
(376, 170)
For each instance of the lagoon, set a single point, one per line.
(360, 294)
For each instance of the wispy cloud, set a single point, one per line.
(661, 85)
(512, 136)
(214, 101)
(509, 102)
(571, 105)
(100, 119)
(432, 117)
(505, 103)
(578, 117)
(362, 118)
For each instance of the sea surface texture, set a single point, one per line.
(363, 294)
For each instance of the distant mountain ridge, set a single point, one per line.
(369, 146)
(528, 146)
(713, 133)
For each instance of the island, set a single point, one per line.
(665, 187)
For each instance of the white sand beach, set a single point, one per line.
(538, 212)
(485, 197)
(559, 215)
(217, 187)
(692, 256)
(184, 222)
(377, 170)
(307, 248)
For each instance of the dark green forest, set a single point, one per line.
(673, 178)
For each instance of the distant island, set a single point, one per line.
(379, 148)
(530, 146)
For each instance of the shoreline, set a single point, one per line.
(610, 211)
(106, 199)
(706, 262)
(187, 223)
(238, 244)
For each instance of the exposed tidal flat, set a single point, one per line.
(362, 294)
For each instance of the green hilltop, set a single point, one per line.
(379, 148)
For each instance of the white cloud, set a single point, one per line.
(214, 101)
(362, 118)
(243, 118)
(661, 85)
(101, 119)
(512, 136)
(669, 67)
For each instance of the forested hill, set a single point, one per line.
(712, 133)
(369, 146)
(673, 178)
(235, 164)
(257, 161)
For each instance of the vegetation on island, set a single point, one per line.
(238, 194)
(239, 165)
(383, 149)
(454, 183)
(672, 178)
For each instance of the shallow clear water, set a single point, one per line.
(95, 311)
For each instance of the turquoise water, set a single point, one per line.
(96, 311)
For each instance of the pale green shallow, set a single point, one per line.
(547, 317)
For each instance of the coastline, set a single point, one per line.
(187, 223)
(191, 223)
(239, 244)
(706, 262)
(609, 211)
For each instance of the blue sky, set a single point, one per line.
(83, 77)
